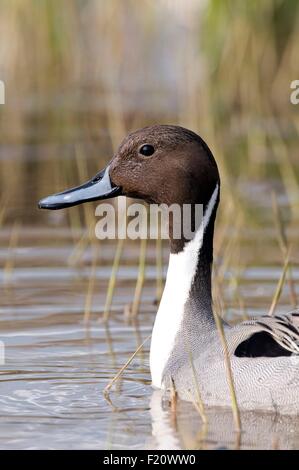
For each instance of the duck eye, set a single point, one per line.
(146, 150)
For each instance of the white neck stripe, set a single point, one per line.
(181, 271)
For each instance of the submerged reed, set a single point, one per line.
(229, 372)
(247, 120)
(91, 285)
(123, 368)
(10, 261)
(280, 284)
(284, 247)
(140, 278)
(112, 280)
(159, 269)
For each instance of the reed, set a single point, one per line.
(198, 404)
(123, 368)
(2, 212)
(287, 172)
(159, 269)
(229, 372)
(112, 280)
(140, 278)
(79, 249)
(89, 55)
(280, 284)
(284, 247)
(87, 208)
(91, 285)
(13, 242)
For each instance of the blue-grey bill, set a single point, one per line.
(99, 187)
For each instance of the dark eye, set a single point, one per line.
(146, 150)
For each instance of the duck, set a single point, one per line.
(169, 164)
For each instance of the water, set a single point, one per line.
(56, 368)
(51, 386)
(72, 95)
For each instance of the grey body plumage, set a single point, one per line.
(261, 383)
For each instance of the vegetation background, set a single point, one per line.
(80, 74)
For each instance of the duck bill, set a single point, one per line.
(99, 187)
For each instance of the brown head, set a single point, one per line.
(159, 164)
(165, 164)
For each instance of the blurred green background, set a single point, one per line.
(80, 73)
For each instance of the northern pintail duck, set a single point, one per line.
(170, 164)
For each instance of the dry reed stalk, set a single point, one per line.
(83, 175)
(78, 250)
(112, 353)
(283, 244)
(112, 280)
(230, 249)
(173, 401)
(159, 269)
(74, 222)
(13, 242)
(238, 298)
(222, 234)
(140, 278)
(87, 237)
(91, 284)
(199, 405)
(113, 100)
(116, 123)
(275, 442)
(218, 291)
(229, 372)
(287, 171)
(121, 371)
(138, 336)
(201, 438)
(280, 284)
(2, 212)
(243, 308)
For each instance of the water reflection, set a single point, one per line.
(185, 429)
(57, 366)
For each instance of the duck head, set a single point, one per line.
(159, 164)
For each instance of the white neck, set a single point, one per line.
(181, 271)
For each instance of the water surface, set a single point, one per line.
(51, 386)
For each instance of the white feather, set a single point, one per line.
(180, 274)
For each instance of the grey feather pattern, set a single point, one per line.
(261, 383)
(284, 329)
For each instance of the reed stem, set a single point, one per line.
(140, 278)
(112, 280)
